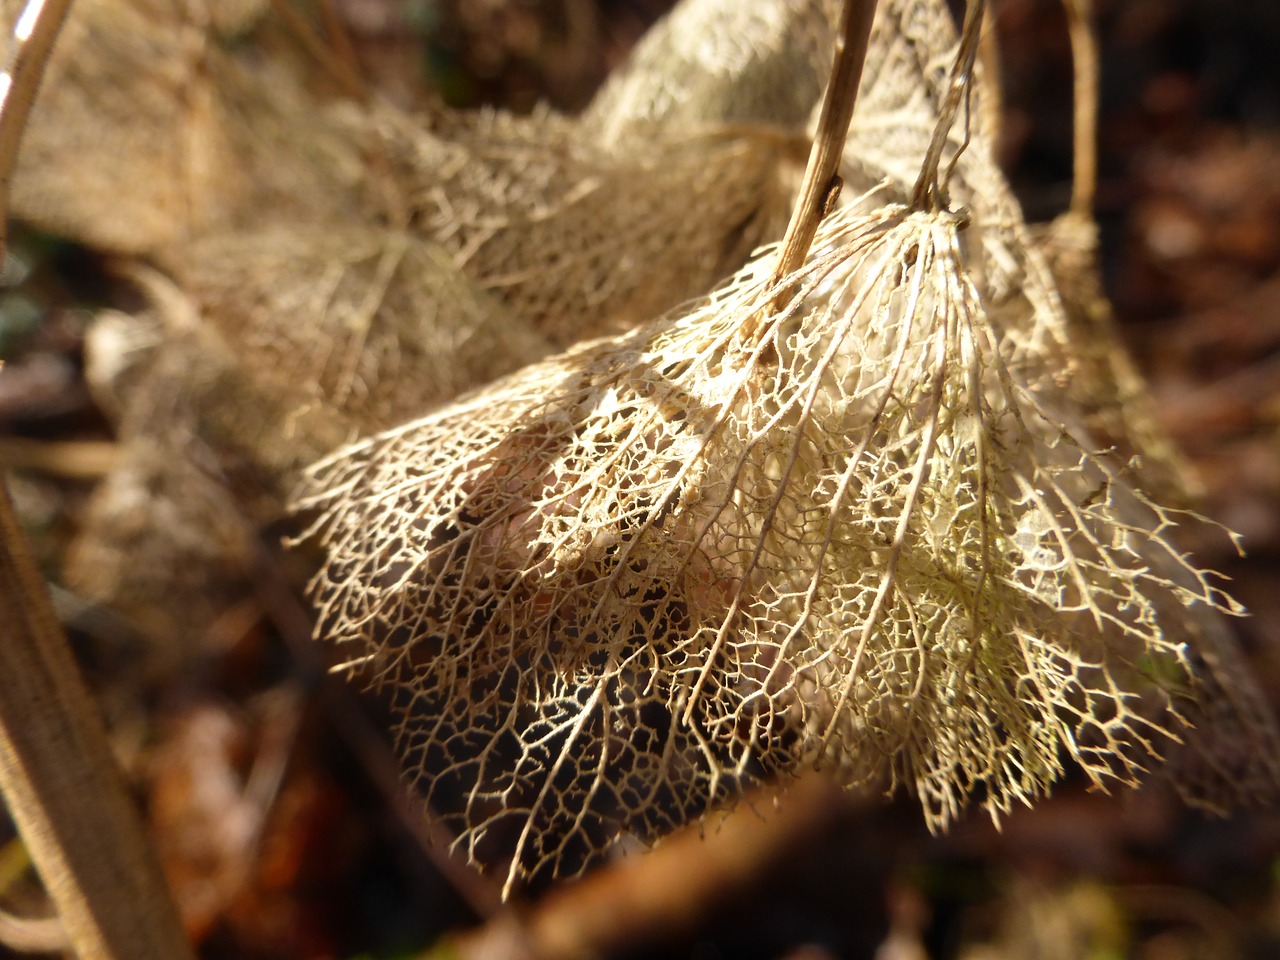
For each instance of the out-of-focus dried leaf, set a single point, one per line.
(331, 334)
(149, 129)
(204, 823)
(278, 346)
(160, 544)
(715, 62)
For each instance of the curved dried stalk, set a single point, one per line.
(911, 75)
(33, 935)
(26, 57)
(1085, 60)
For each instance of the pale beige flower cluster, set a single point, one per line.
(859, 519)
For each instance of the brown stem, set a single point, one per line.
(1084, 54)
(992, 105)
(29, 46)
(930, 189)
(33, 934)
(821, 177)
(335, 63)
(62, 789)
(60, 784)
(344, 51)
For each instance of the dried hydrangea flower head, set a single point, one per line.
(905, 87)
(276, 343)
(716, 62)
(577, 238)
(273, 348)
(849, 519)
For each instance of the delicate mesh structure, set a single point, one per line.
(1077, 358)
(713, 62)
(577, 239)
(278, 346)
(1044, 270)
(280, 342)
(853, 528)
(904, 83)
(1107, 384)
(336, 332)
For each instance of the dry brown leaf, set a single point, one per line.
(148, 129)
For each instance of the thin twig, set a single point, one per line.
(992, 105)
(344, 51)
(821, 177)
(1084, 55)
(33, 934)
(930, 189)
(59, 782)
(32, 40)
(73, 459)
(345, 73)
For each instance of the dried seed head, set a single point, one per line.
(852, 531)
(1042, 269)
(714, 62)
(576, 238)
(278, 346)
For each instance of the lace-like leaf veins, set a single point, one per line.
(851, 530)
